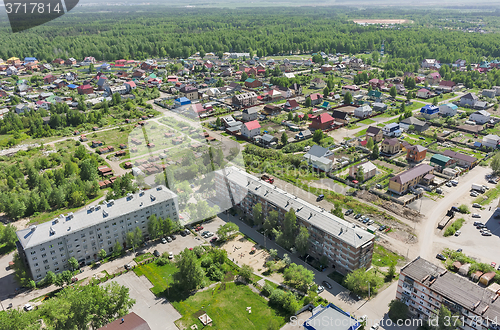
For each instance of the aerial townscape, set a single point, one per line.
(261, 166)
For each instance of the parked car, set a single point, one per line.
(476, 215)
(366, 220)
(486, 233)
(320, 198)
(459, 250)
(326, 284)
(378, 186)
(375, 326)
(183, 233)
(127, 266)
(138, 253)
(370, 222)
(169, 239)
(474, 194)
(199, 228)
(156, 253)
(320, 289)
(349, 212)
(493, 264)
(448, 184)
(208, 235)
(163, 240)
(381, 228)
(481, 226)
(172, 237)
(28, 307)
(214, 239)
(457, 233)
(355, 181)
(440, 256)
(357, 216)
(170, 255)
(476, 223)
(476, 205)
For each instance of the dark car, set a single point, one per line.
(381, 228)
(320, 198)
(349, 212)
(138, 253)
(183, 233)
(359, 215)
(326, 284)
(459, 250)
(213, 239)
(440, 256)
(172, 237)
(156, 253)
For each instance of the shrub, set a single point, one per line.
(198, 250)
(162, 261)
(267, 289)
(206, 262)
(214, 273)
(463, 209)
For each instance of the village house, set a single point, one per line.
(250, 114)
(340, 116)
(429, 111)
(462, 160)
(416, 153)
(402, 182)
(433, 78)
(491, 141)
(424, 93)
(318, 83)
(322, 122)
(353, 89)
(480, 117)
(316, 98)
(363, 111)
(471, 100)
(369, 170)
(189, 92)
(291, 105)
(392, 130)
(319, 158)
(70, 61)
(85, 89)
(250, 129)
(448, 109)
(252, 83)
(390, 146)
(441, 162)
(431, 64)
(417, 124)
(375, 133)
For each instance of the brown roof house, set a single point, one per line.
(400, 183)
(369, 170)
(390, 146)
(416, 153)
(375, 133)
(130, 321)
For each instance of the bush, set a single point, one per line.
(454, 227)
(162, 261)
(267, 290)
(198, 250)
(463, 209)
(397, 310)
(206, 262)
(215, 274)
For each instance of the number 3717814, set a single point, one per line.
(32, 8)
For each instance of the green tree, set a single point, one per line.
(91, 67)
(308, 102)
(224, 231)
(302, 241)
(326, 92)
(435, 101)
(397, 310)
(495, 163)
(246, 272)
(8, 235)
(88, 170)
(393, 91)
(244, 76)
(375, 152)
(73, 263)
(190, 275)
(286, 238)
(102, 254)
(258, 217)
(117, 249)
(298, 276)
(284, 139)
(218, 122)
(369, 143)
(360, 280)
(290, 116)
(360, 175)
(318, 136)
(347, 98)
(391, 272)
(49, 278)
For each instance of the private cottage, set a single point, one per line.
(319, 158)
(448, 109)
(322, 122)
(250, 129)
(250, 114)
(480, 117)
(369, 170)
(375, 133)
(363, 111)
(416, 153)
(400, 183)
(390, 146)
(429, 111)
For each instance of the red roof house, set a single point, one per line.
(85, 89)
(322, 122)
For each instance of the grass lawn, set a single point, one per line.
(226, 304)
(383, 257)
(143, 257)
(159, 276)
(354, 126)
(488, 197)
(367, 121)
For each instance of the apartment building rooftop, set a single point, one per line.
(312, 214)
(456, 288)
(90, 216)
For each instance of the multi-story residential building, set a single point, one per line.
(410, 178)
(48, 246)
(424, 287)
(346, 246)
(245, 99)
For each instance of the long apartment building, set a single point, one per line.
(48, 246)
(346, 246)
(424, 286)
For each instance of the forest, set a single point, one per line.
(179, 33)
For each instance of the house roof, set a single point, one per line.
(373, 130)
(447, 83)
(412, 173)
(254, 124)
(269, 138)
(429, 109)
(317, 151)
(391, 142)
(482, 113)
(367, 166)
(450, 105)
(339, 115)
(440, 159)
(391, 126)
(292, 103)
(413, 121)
(457, 155)
(250, 80)
(417, 148)
(315, 96)
(131, 83)
(251, 110)
(130, 321)
(470, 96)
(324, 118)
(453, 287)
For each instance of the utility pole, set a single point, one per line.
(368, 290)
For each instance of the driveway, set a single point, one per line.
(158, 312)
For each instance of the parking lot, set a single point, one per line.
(156, 311)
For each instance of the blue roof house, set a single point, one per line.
(429, 111)
(72, 86)
(181, 101)
(30, 59)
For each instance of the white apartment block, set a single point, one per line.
(346, 246)
(424, 286)
(48, 246)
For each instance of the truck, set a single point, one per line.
(478, 187)
(449, 215)
(267, 178)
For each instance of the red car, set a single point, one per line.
(355, 181)
(199, 228)
(493, 264)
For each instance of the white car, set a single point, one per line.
(457, 233)
(374, 327)
(476, 215)
(476, 205)
(170, 255)
(28, 307)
